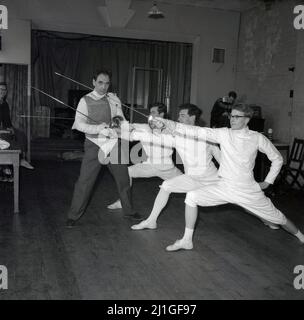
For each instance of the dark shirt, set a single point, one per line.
(218, 117)
(5, 118)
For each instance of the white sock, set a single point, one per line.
(300, 236)
(159, 203)
(188, 234)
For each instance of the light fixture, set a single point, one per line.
(155, 13)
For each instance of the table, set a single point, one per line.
(12, 157)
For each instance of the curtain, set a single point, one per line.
(78, 56)
(16, 78)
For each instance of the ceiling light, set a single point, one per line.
(155, 13)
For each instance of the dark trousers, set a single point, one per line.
(90, 168)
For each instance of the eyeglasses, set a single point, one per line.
(236, 117)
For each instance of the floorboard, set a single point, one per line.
(235, 256)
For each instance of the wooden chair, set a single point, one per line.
(292, 174)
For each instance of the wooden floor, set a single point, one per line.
(235, 256)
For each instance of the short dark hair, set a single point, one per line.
(193, 110)
(232, 94)
(161, 108)
(102, 71)
(245, 108)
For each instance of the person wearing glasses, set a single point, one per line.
(239, 147)
(14, 136)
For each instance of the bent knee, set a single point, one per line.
(191, 199)
(283, 220)
(280, 220)
(166, 186)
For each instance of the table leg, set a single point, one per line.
(16, 188)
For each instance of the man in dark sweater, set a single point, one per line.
(221, 110)
(95, 112)
(5, 119)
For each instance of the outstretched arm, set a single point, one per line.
(196, 132)
(156, 139)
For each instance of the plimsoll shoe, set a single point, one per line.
(25, 164)
(135, 216)
(180, 245)
(10, 179)
(3, 178)
(144, 225)
(115, 205)
(70, 223)
(271, 225)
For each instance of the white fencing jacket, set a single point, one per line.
(196, 154)
(238, 150)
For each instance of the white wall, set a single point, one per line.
(206, 28)
(16, 42)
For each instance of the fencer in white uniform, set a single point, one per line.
(159, 161)
(239, 147)
(196, 156)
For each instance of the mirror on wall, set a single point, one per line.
(146, 89)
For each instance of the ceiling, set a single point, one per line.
(235, 5)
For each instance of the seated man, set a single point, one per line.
(221, 110)
(196, 156)
(14, 136)
(239, 147)
(159, 158)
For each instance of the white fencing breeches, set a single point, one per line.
(185, 183)
(146, 170)
(249, 196)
